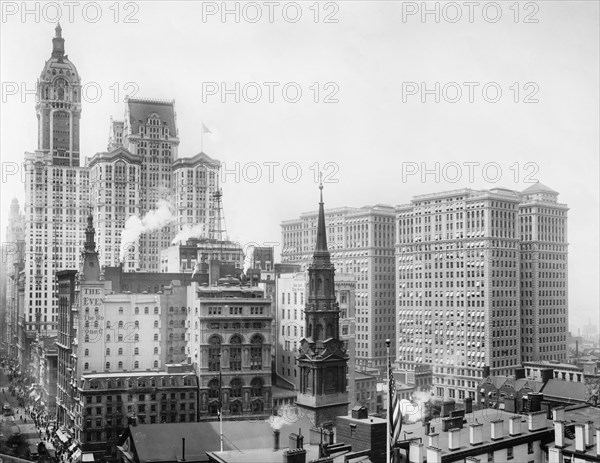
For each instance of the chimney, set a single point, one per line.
(589, 433)
(276, 433)
(555, 455)
(559, 434)
(476, 434)
(427, 428)
(434, 440)
(454, 439)
(415, 452)
(537, 421)
(183, 449)
(514, 425)
(558, 414)
(497, 429)
(579, 439)
(434, 455)
(469, 405)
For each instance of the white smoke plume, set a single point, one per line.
(248, 259)
(153, 220)
(190, 231)
(276, 422)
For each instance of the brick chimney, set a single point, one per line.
(454, 439)
(558, 414)
(476, 434)
(579, 438)
(537, 421)
(514, 425)
(497, 429)
(555, 455)
(589, 433)
(434, 440)
(415, 452)
(559, 434)
(434, 455)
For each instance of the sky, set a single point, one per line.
(388, 99)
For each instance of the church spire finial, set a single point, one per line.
(58, 30)
(58, 43)
(321, 245)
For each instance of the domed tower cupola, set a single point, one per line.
(58, 44)
(59, 105)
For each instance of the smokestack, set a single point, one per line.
(558, 414)
(434, 440)
(469, 405)
(415, 452)
(276, 433)
(434, 455)
(183, 449)
(576, 348)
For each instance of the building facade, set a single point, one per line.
(462, 293)
(230, 342)
(361, 243)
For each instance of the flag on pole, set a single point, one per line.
(205, 129)
(394, 412)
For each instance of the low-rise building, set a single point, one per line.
(230, 348)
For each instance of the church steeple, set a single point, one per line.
(90, 235)
(322, 357)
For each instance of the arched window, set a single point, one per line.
(86, 338)
(136, 351)
(170, 336)
(235, 353)
(182, 349)
(120, 324)
(256, 352)
(136, 364)
(108, 338)
(86, 352)
(329, 331)
(155, 323)
(319, 334)
(136, 311)
(86, 324)
(256, 387)
(171, 309)
(156, 310)
(107, 366)
(171, 350)
(182, 336)
(214, 353)
(213, 389)
(183, 323)
(156, 364)
(120, 366)
(108, 323)
(107, 351)
(183, 310)
(146, 310)
(156, 351)
(170, 322)
(120, 338)
(120, 351)
(136, 337)
(136, 323)
(236, 387)
(120, 310)
(86, 366)
(156, 336)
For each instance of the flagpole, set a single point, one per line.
(202, 139)
(389, 407)
(220, 405)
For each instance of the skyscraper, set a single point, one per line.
(361, 243)
(467, 271)
(56, 189)
(322, 358)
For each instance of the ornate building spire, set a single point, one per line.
(58, 43)
(321, 255)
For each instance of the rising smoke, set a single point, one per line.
(415, 409)
(190, 231)
(248, 259)
(153, 220)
